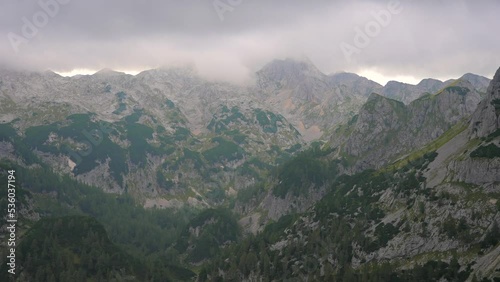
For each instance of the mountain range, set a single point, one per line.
(302, 175)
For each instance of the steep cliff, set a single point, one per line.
(386, 129)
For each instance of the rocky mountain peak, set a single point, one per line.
(375, 96)
(49, 73)
(408, 92)
(459, 86)
(431, 84)
(165, 71)
(495, 85)
(378, 107)
(479, 82)
(402, 91)
(311, 100)
(289, 70)
(382, 121)
(345, 77)
(108, 72)
(377, 99)
(393, 83)
(486, 119)
(358, 84)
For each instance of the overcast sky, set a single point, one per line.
(231, 39)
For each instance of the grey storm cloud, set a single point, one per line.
(231, 39)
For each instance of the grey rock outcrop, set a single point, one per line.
(386, 128)
(311, 100)
(486, 119)
(408, 93)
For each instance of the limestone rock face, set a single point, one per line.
(311, 100)
(484, 172)
(449, 208)
(481, 83)
(408, 93)
(486, 119)
(386, 128)
(355, 83)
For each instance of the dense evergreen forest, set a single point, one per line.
(112, 234)
(88, 235)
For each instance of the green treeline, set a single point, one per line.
(145, 235)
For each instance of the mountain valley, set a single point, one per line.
(301, 176)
